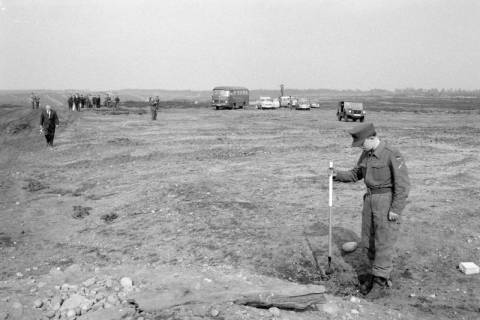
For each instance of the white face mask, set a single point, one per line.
(369, 144)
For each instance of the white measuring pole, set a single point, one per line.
(330, 205)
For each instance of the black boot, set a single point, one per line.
(366, 283)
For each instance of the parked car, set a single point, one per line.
(303, 105)
(276, 103)
(265, 103)
(294, 103)
(314, 105)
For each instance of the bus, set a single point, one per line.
(230, 97)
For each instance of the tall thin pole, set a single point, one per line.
(330, 205)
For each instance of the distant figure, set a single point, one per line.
(33, 100)
(154, 102)
(76, 102)
(70, 103)
(48, 123)
(88, 101)
(37, 102)
(82, 101)
(107, 101)
(117, 101)
(99, 101)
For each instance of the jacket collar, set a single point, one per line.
(378, 150)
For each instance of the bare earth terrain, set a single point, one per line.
(202, 207)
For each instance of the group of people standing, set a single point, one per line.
(35, 100)
(77, 102)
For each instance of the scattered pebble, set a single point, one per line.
(126, 283)
(19, 274)
(354, 300)
(214, 312)
(71, 313)
(89, 282)
(355, 311)
(38, 303)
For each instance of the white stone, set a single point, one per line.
(469, 268)
(354, 300)
(349, 246)
(355, 311)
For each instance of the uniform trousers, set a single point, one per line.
(379, 235)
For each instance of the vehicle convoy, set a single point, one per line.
(350, 110)
(230, 97)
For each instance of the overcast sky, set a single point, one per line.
(193, 44)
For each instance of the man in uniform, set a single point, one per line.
(385, 174)
(48, 123)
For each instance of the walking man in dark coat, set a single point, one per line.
(48, 123)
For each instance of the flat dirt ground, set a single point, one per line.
(237, 198)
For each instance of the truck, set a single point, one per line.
(350, 110)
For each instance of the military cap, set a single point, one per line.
(361, 132)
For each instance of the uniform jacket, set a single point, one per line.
(48, 123)
(382, 168)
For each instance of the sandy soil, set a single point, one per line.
(218, 194)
